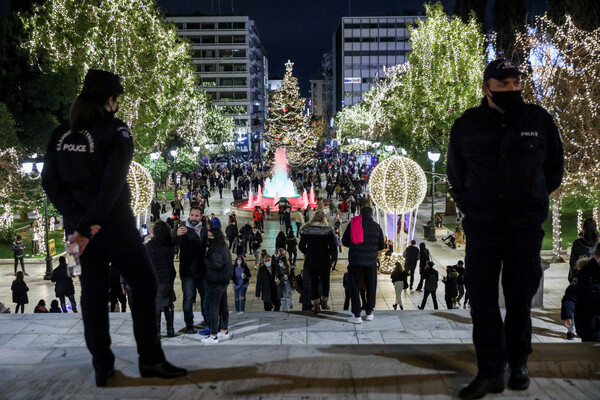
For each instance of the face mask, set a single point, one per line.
(268, 263)
(507, 100)
(239, 262)
(210, 241)
(112, 113)
(281, 264)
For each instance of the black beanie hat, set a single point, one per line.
(97, 78)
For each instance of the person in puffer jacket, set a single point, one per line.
(318, 246)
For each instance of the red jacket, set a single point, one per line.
(257, 215)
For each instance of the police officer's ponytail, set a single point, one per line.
(98, 87)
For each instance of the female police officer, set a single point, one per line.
(86, 165)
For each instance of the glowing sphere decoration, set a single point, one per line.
(141, 186)
(397, 185)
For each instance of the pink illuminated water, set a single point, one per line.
(280, 185)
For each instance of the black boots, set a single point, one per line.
(519, 377)
(163, 369)
(482, 386)
(102, 377)
(169, 316)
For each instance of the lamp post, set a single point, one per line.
(434, 156)
(197, 151)
(154, 157)
(28, 169)
(174, 155)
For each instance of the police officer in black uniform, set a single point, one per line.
(504, 159)
(84, 175)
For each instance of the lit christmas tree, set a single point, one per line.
(288, 125)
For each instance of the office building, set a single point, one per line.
(232, 66)
(362, 46)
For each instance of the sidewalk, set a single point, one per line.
(399, 355)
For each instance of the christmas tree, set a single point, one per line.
(288, 125)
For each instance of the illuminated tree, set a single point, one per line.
(130, 38)
(289, 125)
(565, 79)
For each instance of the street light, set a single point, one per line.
(28, 169)
(174, 155)
(197, 151)
(154, 157)
(434, 156)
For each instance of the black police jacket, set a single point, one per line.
(502, 167)
(85, 174)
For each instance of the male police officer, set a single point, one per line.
(504, 159)
(84, 175)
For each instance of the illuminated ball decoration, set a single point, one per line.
(397, 185)
(141, 186)
(388, 263)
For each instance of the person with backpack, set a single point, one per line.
(451, 286)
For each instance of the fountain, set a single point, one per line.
(278, 186)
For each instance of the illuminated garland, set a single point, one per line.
(579, 221)
(556, 231)
(397, 185)
(8, 170)
(142, 187)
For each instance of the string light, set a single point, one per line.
(565, 80)
(397, 185)
(288, 125)
(8, 172)
(388, 263)
(129, 37)
(579, 220)
(40, 230)
(141, 186)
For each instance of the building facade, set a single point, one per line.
(362, 47)
(232, 66)
(317, 97)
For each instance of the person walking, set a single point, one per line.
(19, 292)
(424, 257)
(582, 248)
(460, 283)
(364, 238)
(411, 257)
(400, 281)
(219, 270)
(191, 238)
(299, 219)
(582, 299)
(64, 285)
(241, 280)
(431, 285)
(255, 241)
(85, 178)
(450, 286)
(267, 279)
(231, 232)
(504, 159)
(285, 285)
(292, 248)
(317, 243)
(162, 253)
(18, 248)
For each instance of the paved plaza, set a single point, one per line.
(408, 354)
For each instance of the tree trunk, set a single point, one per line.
(556, 233)
(23, 217)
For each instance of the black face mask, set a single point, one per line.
(507, 100)
(112, 113)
